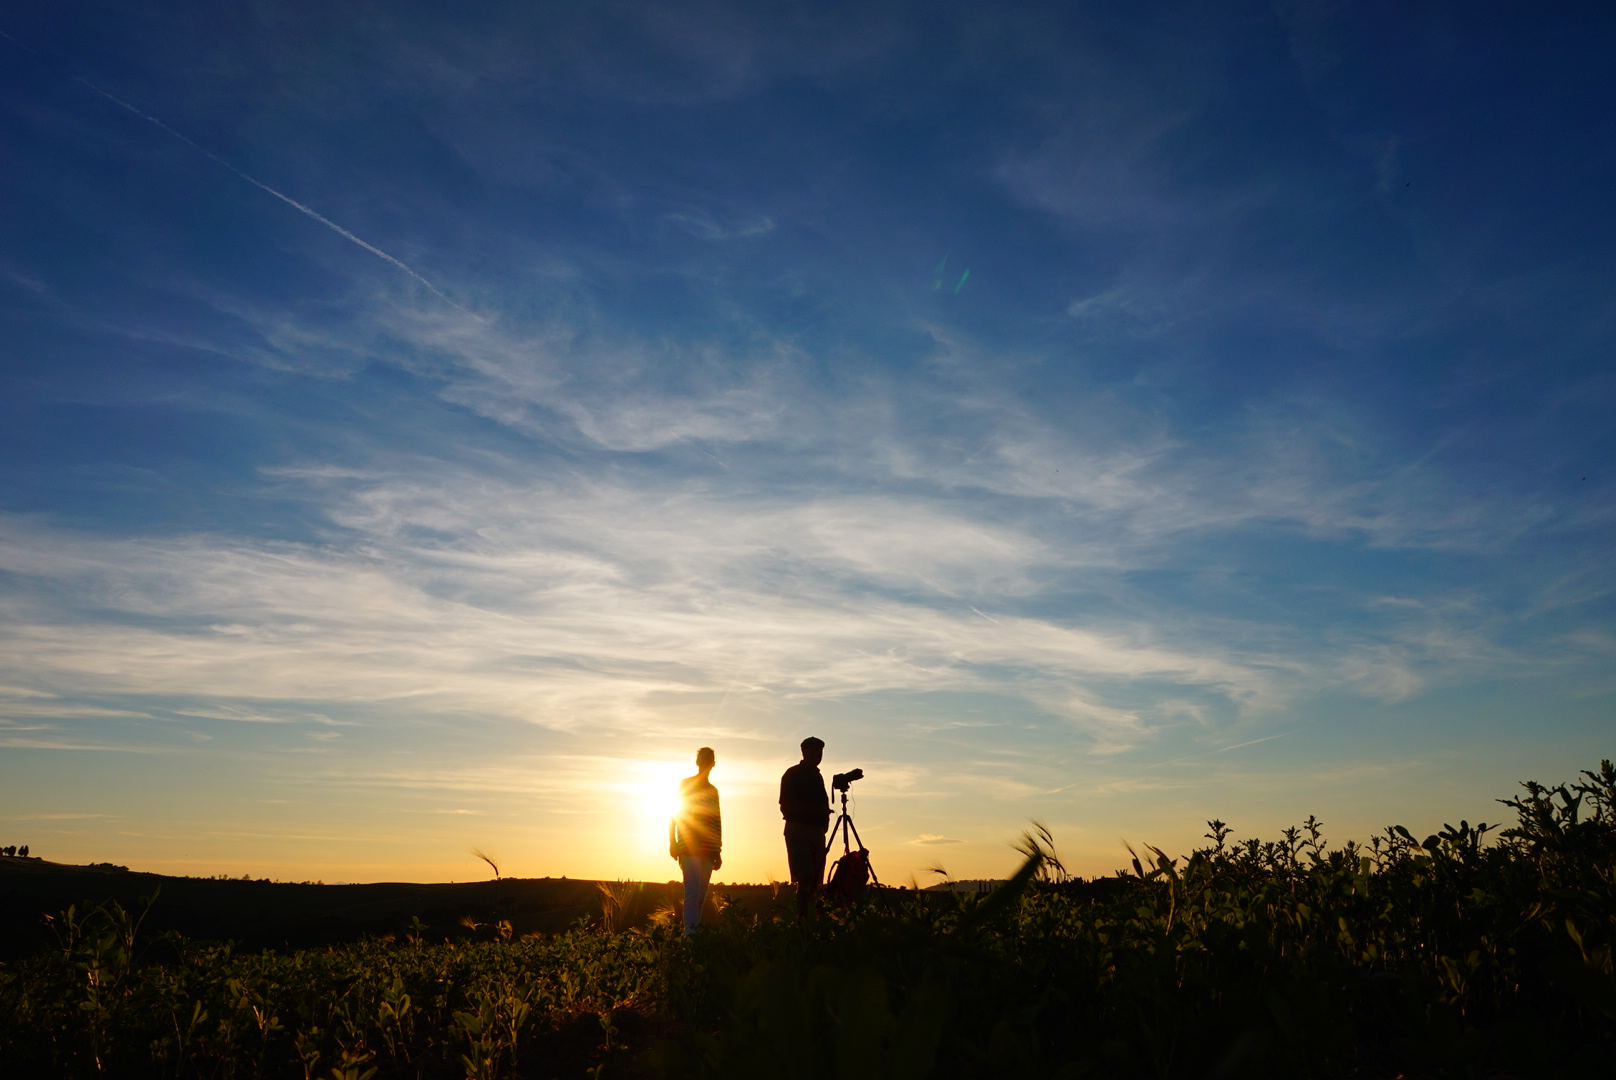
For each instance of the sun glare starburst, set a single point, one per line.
(656, 799)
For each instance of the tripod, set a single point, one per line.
(844, 825)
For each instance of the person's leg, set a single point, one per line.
(806, 855)
(816, 868)
(794, 863)
(697, 873)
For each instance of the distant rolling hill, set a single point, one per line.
(259, 914)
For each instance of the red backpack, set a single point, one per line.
(849, 876)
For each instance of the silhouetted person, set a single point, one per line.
(805, 805)
(696, 836)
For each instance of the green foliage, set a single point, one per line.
(375, 1009)
(1450, 956)
(1441, 957)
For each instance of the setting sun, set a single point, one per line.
(656, 800)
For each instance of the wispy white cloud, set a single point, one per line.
(578, 614)
(619, 605)
(69, 744)
(953, 537)
(704, 226)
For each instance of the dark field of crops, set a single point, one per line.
(1471, 953)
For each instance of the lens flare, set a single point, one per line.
(656, 798)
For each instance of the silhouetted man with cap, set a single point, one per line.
(805, 805)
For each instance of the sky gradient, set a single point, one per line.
(423, 426)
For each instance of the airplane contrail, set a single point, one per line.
(255, 182)
(287, 199)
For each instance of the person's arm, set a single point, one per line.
(673, 827)
(718, 833)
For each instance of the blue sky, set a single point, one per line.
(423, 425)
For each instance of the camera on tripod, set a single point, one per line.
(852, 873)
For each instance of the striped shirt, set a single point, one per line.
(698, 830)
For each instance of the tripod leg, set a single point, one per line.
(860, 840)
(843, 823)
